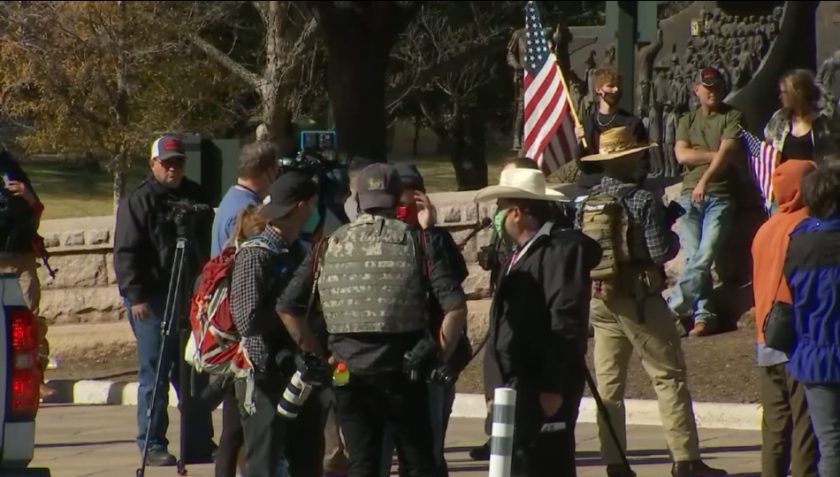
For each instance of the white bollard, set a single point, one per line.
(501, 436)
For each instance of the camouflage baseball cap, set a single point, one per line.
(379, 187)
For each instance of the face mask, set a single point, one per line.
(408, 215)
(499, 225)
(312, 222)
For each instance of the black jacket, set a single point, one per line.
(540, 314)
(18, 223)
(145, 238)
(591, 172)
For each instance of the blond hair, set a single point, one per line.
(801, 90)
(248, 224)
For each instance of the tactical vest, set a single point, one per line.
(625, 266)
(372, 278)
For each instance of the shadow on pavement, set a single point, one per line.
(83, 444)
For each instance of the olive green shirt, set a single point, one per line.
(706, 132)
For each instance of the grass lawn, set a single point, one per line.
(68, 190)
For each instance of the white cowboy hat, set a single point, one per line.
(616, 142)
(519, 184)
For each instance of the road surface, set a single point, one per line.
(76, 441)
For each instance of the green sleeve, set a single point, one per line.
(682, 129)
(732, 129)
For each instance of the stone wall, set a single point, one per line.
(85, 291)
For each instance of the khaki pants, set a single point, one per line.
(26, 268)
(618, 332)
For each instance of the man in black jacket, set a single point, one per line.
(538, 322)
(144, 250)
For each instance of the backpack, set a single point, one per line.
(215, 345)
(606, 220)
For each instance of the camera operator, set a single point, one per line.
(542, 357)
(383, 336)
(144, 251)
(20, 244)
(260, 275)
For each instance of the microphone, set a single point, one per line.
(485, 222)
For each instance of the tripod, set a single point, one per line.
(171, 325)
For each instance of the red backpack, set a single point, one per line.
(215, 346)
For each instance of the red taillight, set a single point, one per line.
(26, 376)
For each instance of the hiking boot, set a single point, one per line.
(695, 468)
(159, 458)
(700, 330)
(619, 470)
(481, 453)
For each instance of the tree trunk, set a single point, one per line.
(416, 140)
(118, 170)
(469, 156)
(356, 85)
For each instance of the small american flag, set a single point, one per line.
(763, 160)
(549, 124)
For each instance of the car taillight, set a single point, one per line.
(26, 376)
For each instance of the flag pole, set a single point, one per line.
(572, 104)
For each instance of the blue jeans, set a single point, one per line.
(824, 406)
(703, 232)
(198, 415)
(441, 399)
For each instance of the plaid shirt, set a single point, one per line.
(662, 243)
(256, 285)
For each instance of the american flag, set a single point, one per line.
(549, 124)
(763, 160)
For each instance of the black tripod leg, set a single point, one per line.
(166, 333)
(605, 414)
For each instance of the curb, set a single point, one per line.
(639, 412)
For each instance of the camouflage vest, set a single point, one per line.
(625, 266)
(372, 278)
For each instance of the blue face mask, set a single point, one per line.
(312, 222)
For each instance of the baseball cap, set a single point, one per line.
(711, 77)
(379, 187)
(168, 147)
(289, 189)
(410, 176)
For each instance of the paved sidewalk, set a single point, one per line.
(76, 441)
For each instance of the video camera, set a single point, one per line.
(181, 213)
(421, 364)
(317, 154)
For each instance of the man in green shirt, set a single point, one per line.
(708, 143)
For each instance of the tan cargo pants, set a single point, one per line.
(618, 332)
(25, 267)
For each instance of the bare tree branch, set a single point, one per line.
(243, 73)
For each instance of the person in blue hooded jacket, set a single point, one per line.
(812, 270)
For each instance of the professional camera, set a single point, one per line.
(421, 364)
(317, 154)
(312, 371)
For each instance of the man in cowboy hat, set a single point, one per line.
(708, 142)
(628, 311)
(538, 321)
